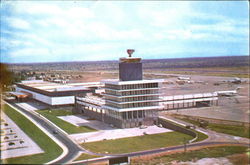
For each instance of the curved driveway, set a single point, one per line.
(73, 149)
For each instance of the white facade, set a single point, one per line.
(132, 95)
(60, 100)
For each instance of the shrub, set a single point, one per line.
(11, 143)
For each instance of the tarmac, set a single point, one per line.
(233, 108)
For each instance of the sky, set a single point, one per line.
(46, 31)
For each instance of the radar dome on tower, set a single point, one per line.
(130, 59)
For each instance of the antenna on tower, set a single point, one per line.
(130, 52)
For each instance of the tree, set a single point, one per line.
(5, 77)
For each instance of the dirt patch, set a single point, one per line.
(239, 159)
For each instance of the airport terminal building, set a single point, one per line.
(132, 103)
(129, 101)
(52, 94)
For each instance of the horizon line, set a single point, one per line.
(9, 63)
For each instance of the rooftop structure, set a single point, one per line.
(130, 68)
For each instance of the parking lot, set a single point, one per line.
(14, 142)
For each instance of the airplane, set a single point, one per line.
(228, 93)
(236, 80)
(184, 78)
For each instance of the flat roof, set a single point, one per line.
(117, 82)
(19, 94)
(54, 87)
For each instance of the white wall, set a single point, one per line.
(49, 100)
(63, 100)
(37, 96)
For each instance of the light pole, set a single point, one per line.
(185, 145)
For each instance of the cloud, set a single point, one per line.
(18, 23)
(103, 30)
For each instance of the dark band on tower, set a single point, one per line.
(130, 68)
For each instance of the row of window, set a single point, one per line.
(139, 86)
(131, 86)
(142, 92)
(128, 93)
(129, 99)
(132, 105)
(132, 114)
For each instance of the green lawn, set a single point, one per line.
(211, 152)
(51, 152)
(67, 127)
(227, 129)
(230, 129)
(138, 143)
(201, 136)
(84, 156)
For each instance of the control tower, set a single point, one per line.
(131, 101)
(130, 68)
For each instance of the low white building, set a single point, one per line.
(54, 93)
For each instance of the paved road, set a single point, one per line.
(73, 149)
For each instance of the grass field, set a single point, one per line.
(227, 129)
(138, 143)
(201, 136)
(211, 152)
(230, 129)
(84, 156)
(67, 127)
(51, 152)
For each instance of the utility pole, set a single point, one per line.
(185, 145)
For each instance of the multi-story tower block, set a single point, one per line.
(131, 101)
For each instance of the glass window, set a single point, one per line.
(135, 114)
(129, 114)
